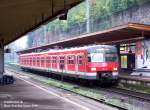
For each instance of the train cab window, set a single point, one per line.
(80, 59)
(111, 57)
(71, 60)
(96, 57)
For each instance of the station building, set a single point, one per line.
(135, 56)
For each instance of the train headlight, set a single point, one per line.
(93, 69)
(115, 69)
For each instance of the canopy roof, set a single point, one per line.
(116, 35)
(17, 17)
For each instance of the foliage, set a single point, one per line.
(77, 14)
(98, 9)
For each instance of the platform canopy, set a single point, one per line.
(116, 35)
(17, 17)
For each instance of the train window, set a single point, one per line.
(62, 59)
(48, 59)
(111, 58)
(53, 59)
(33, 59)
(80, 60)
(30, 60)
(26, 60)
(38, 59)
(42, 59)
(96, 57)
(71, 60)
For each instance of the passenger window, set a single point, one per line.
(71, 60)
(80, 60)
(53, 59)
(48, 60)
(62, 59)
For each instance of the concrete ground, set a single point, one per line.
(26, 94)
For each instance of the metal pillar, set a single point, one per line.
(119, 56)
(1, 58)
(88, 16)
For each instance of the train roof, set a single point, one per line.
(70, 49)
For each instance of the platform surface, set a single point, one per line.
(135, 77)
(26, 96)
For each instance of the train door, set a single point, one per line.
(42, 61)
(71, 63)
(31, 61)
(48, 63)
(36, 58)
(81, 63)
(66, 62)
(54, 62)
(76, 64)
(38, 61)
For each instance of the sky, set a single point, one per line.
(21, 43)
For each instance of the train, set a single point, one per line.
(92, 63)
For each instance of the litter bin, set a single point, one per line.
(6, 79)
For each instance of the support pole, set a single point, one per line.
(119, 57)
(88, 16)
(1, 58)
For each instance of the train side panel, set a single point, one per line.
(71, 63)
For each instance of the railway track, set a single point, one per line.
(127, 93)
(123, 92)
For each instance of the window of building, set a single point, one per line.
(124, 61)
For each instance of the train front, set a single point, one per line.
(104, 61)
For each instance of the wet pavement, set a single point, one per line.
(21, 95)
(26, 94)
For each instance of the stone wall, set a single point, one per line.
(137, 14)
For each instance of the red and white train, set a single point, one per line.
(97, 62)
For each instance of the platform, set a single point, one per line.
(135, 79)
(25, 94)
(27, 97)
